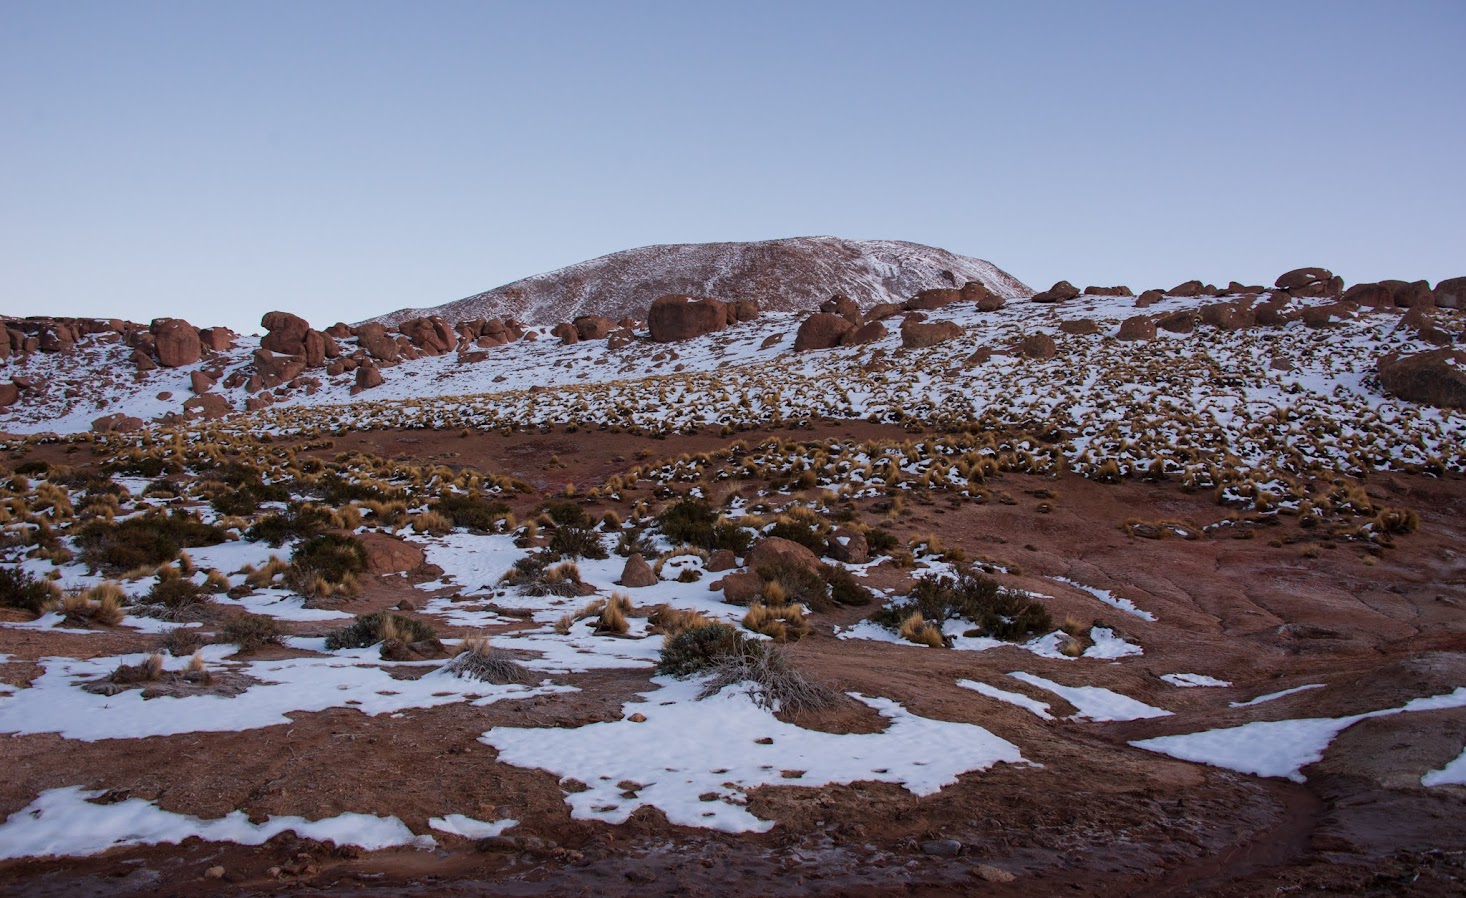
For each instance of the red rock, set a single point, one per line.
(211, 406)
(1236, 289)
(882, 311)
(1178, 322)
(742, 588)
(1079, 327)
(386, 554)
(200, 382)
(1189, 288)
(1058, 293)
(116, 423)
(637, 574)
(470, 358)
(368, 377)
(566, 332)
(142, 360)
(339, 331)
(374, 339)
(1228, 316)
(1373, 296)
(217, 339)
(620, 338)
(920, 336)
(721, 560)
(979, 295)
(1139, 327)
(931, 300)
(594, 327)
(1107, 291)
(844, 306)
(680, 317)
(1434, 377)
(1310, 282)
(9, 395)
(866, 333)
(742, 309)
(1451, 293)
(849, 545)
(285, 332)
(1038, 346)
(176, 342)
(821, 330)
(774, 550)
(1148, 298)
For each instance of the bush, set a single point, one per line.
(150, 540)
(800, 533)
(567, 514)
(782, 623)
(481, 661)
(845, 589)
(880, 542)
(246, 499)
(696, 649)
(181, 641)
(775, 684)
(251, 631)
(369, 629)
(576, 542)
(178, 594)
(473, 512)
(694, 522)
(993, 610)
(536, 576)
(331, 559)
(795, 583)
(21, 589)
(296, 522)
(337, 490)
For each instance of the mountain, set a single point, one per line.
(794, 274)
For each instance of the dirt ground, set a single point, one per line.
(1094, 815)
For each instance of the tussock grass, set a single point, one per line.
(478, 660)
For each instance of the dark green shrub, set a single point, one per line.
(178, 594)
(246, 498)
(798, 584)
(697, 649)
(369, 629)
(337, 490)
(32, 468)
(251, 631)
(576, 542)
(880, 542)
(296, 522)
(567, 514)
(536, 575)
(153, 539)
(21, 589)
(845, 589)
(473, 512)
(803, 534)
(140, 465)
(331, 557)
(693, 522)
(993, 610)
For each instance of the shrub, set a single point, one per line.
(330, 559)
(21, 589)
(246, 499)
(671, 621)
(845, 589)
(801, 533)
(478, 660)
(880, 542)
(369, 629)
(576, 542)
(142, 672)
(915, 628)
(251, 631)
(150, 540)
(181, 641)
(993, 610)
(536, 576)
(696, 649)
(296, 522)
(177, 594)
(783, 623)
(337, 490)
(472, 511)
(567, 514)
(795, 583)
(694, 522)
(613, 615)
(432, 522)
(775, 684)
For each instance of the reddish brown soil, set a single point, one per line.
(1099, 817)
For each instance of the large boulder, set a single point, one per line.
(774, 551)
(313, 347)
(286, 332)
(930, 300)
(637, 574)
(217, 339)
(368, 377)
(883, 310)
(1079, 327)
(849, 545)
(1187, 288)
(1148, 298)
(979, 295)
(373, 338)
(869, 332)
(176, 342)
(678, 316)
(116, 422)
(1313, 282)
(1451, 293)
(1228, 316)
(1038, 346)
(822, 330)
(433, 335)
(1373, 296)
(919, 335)
(741, 588)
(1058, 293)
(566, 333)
(200, 382)
(1107, 291)
(1410, 294)
(593, 327)
(386, 554)
(742, 310)
(9, 395)
(211, 406)
(1138, 327)
(1435, 377)
(844, 306)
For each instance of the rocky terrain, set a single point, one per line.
(941, 587)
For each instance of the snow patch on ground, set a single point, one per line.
(1275, 695)
(469, 828)
(1191, 679)
(1109, 598)
(1094, 702)
(1041, 709)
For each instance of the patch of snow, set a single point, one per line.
(1109, 645)
(1094, 702)
(1453, 774)
(1041, 709)
(1109, 598)
(1191, 679)
(469, 828)
(1275, 695)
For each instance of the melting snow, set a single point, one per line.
(1191, 679)
(1274, 695)
(1109, 598)
(1013, 698)
(1094, 702)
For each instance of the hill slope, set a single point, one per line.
(788, 275)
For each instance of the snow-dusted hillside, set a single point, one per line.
(782, 275)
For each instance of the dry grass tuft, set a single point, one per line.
(478, 660)
(915, 628)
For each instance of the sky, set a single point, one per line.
(215, 161)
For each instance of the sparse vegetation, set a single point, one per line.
(152, 539)
(993, 610)
(479, 660)
(369, 629)
(251, 631)
(327, 564)
(21, 589)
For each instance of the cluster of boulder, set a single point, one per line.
(677, 316)
(840, 322)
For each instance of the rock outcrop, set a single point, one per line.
(1436, 377)
(681, 317)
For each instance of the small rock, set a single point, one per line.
(941, 848)
(989, 873)
(215, 872)
(638, 717)
(637, 573)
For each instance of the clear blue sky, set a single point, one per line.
(217, 160)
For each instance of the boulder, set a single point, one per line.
(741, 589)
(1228, 316)
(1058, 293)
(1313, 282)
(849, 545)
(426, 650)
(1179, 322)
(1079, 327)
(881, 311)
(916, 335)
(433, 335)
(1148, 298)
(386, 554)
(1435, 377)
(742, 309)
(1372, 296)
(1187, 288)
(1038, 346)
(368, 377)
(176, 342)
(637, 573)
(142, 361)
(1451, 293)
(373, 338)
(844, 306)
(9, 395)
(200, 382)
(775, 550)
(566, 332)
(217, 339)
(1139, 327)
(1236, 289)
(1107, 291)
(681, 317)
(721, 560)
(314, 349)
(930, 300)
(211, 406)
(1410, 294)
(867, 333)
(979, 295)
(339, 331)
(821, 330)
(593, 327)
(116, 422)
(57, 337)
(286, 332)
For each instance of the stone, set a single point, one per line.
(9, 395)
(1409, 294)
(314, 349)
(743, 589)
(200, 382)
(1236, 289)
(822, 330)
(637, 573)
(775, 550)
(386, 554)
(1138, 327)
(424, 650)
(1148, 298)
(849, 545)
(931, 300)
(1310, 282)
(373, 337)
(1435, 377)
(977, 293)
(721, 560)
(1228, 316)
(1038, 346)
(881, 311)
(214, 872)
(211, 407)
(593, 327)
(1451, 293)
(1179, 322)
(743, 310)
(1058, 293)
(566, 333)
(176, 342)
(989, 873)
(941, 848)
(869, 332)
(116, 422)
(1079, 327)
(286, 332)
(339, 331)
(217, 339)
(678, 316)
(916, 335)
(844, 306)
(1373, 296)
(1188, 288)
(368, 377)
(1107, 291)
